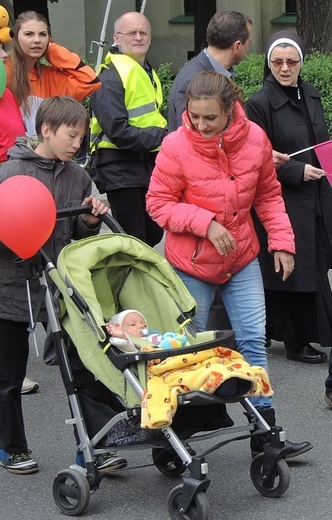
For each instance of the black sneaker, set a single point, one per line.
(105, 462)
(21, 464)
(108, 462)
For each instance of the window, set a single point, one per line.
(289, 16)
(290, 7)
(189, 6)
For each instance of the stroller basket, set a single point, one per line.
(96, 278)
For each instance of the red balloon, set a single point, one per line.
(27, 214)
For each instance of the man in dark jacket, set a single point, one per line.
(229, 35)
(127, 127)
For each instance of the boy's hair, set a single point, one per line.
(61, 110)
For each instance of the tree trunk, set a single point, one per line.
(40, 6)
(204, 10)
(314, 24)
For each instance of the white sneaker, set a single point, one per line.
(29, 387)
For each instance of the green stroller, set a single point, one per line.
(94, 279)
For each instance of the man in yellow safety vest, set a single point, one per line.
(127, 127)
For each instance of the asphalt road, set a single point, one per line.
(141, 493)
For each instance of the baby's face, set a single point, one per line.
(133, 324)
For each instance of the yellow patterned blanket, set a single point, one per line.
(204, 371)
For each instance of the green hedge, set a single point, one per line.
(317, 70)
(166, 80)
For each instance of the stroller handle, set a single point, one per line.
(107, 219)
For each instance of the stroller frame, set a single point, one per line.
(172, 456)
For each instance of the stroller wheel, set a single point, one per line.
(198, 509)
(168, 462)
(280, 478)
(71, 492)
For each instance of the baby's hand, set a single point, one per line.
(115, 330)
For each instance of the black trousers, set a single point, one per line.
(14, 352)
(129, 209)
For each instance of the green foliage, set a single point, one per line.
(249, 74)
(317, 70)
(166, 80)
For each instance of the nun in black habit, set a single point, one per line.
(299, 310)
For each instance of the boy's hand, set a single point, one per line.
(98, 208)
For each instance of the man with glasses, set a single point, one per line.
(127, 127)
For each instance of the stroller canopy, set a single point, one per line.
(109, 273)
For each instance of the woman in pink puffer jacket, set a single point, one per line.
(208, 176)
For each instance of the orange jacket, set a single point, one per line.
(66, 75)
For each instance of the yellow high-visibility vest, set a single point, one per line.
(142, 98)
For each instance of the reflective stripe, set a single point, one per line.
(142, 110)
(94, 136)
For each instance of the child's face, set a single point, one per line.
(133, 324)
(64, 143)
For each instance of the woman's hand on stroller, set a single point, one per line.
(98, 208)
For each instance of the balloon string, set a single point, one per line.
(32, 324)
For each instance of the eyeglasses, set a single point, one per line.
(132, 34)
(290, 63)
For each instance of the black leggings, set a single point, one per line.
(14, 352)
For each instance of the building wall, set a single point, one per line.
(81, 22)
(172, 42)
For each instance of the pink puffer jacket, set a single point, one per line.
(197, 179)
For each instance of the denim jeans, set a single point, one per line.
(243, 297)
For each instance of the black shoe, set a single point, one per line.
(296, 448)
(328, 398)
(257, 441)
(268, 343)
(307, 354)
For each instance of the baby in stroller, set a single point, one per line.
(220, 371)
(132, 323)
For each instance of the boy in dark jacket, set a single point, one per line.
(61, 124)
